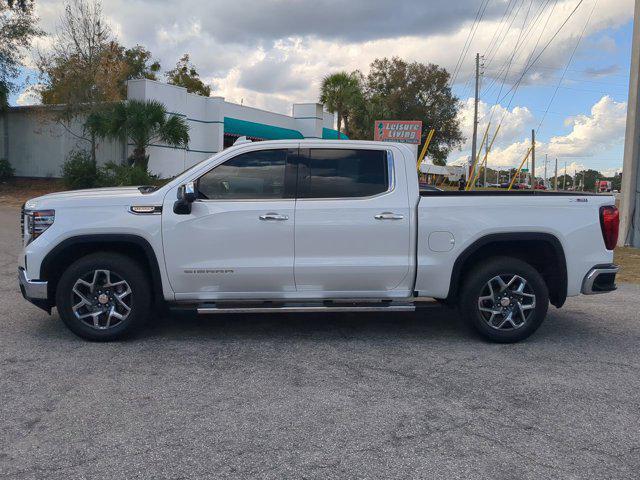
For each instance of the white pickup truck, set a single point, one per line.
(312, 225)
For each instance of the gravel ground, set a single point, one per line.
(319, 396)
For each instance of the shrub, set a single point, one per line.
(6, 170)
(117, 175)
(79, 171)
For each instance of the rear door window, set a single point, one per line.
(343, 173)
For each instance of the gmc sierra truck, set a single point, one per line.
(308, 226)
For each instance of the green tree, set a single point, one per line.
(616, 181)
(588, 179)
(341, 94)
(18, 27)
(185, 75)
(17, 30)
(397, 90)
(142, 123)
(140, 63)
(84, 67)
(564, 181)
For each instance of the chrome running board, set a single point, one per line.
(315, 307)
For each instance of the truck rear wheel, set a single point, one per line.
(504, 299)
(103, 296)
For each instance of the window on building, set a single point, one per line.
(337, 173)
(253, 175)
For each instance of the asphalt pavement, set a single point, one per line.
(319, 396)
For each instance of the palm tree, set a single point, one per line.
(340, 93)
(143, 123)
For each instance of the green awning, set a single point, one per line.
(233, 126)
(330, 134)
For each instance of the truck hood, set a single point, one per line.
(93, 197)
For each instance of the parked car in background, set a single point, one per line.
(309, 226)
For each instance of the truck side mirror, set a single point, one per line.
(186, 196)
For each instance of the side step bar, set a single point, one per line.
(299, 308)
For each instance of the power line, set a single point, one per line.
(573, 52)
(529, 58)
(494, 40)
(522, 38)
(528, 67)
(547, 67)
(601, 92)
(499, 46)
(583, 80)
(454, 75)
(470, 36)
(516, 48)
(519, 44)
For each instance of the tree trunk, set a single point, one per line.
(140, 158)
(5, 133)
(93, 150)
(339, 123)
(346, 125)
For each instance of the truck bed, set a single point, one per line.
(505, 192)
(451, 222)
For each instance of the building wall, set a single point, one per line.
(38, 144)
(205, 116)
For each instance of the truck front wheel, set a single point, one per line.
(103, 296)
(504, 299)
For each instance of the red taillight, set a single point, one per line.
(609, 223)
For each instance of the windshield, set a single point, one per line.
(193, 167)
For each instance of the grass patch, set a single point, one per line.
(629, 260)
(16, 191)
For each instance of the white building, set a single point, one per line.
(36, 145)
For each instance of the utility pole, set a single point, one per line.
(545, 169)
(484, 173)
(555, 182)
(629, 207)
(474, 139)
(564, 176)
(533, 158)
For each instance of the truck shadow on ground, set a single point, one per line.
(435, 324)
(432, 322)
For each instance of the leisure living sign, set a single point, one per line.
(401, 131)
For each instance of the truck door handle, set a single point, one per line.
(273, 216)
(388, 216)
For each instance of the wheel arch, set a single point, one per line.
(71, 249)
(543, 251)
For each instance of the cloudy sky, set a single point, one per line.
(271, 53)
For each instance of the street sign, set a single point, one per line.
(525, 170)
(401, 131)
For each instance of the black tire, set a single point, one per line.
(120, 268)
(482, 283)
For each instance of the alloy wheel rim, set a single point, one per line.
(506, 302)
(101, 299)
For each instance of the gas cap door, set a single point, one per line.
(441, 241)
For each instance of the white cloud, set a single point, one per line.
(272, 54)
(29, 96)
(590, 135)
(512, 122)
(611, 172)
(235, 43)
